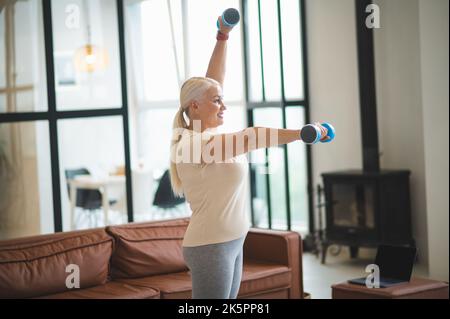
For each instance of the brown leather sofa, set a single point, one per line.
(140, 261)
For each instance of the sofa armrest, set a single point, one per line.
(278, 247)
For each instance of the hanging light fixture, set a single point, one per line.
(90, 58)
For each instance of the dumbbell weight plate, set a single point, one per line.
(310, 134)
(230, 18)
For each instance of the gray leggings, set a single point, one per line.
(216, 269)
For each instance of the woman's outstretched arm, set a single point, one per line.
(217, 63)
(225, 146)
(234, 144)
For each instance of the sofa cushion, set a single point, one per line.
(110, 290)
(171, 286)
(257, 278)
(146, 249)
(36, 266)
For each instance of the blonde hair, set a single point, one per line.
(192, 89)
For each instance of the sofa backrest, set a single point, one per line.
(147, 249)
(37, 266)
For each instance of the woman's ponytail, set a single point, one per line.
(179, 123)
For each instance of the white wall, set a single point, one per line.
(333, 81)
(43, 167)
(433, 17)
(399, 105)
(412, 89)
(412, 92)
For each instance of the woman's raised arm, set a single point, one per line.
(217, 63)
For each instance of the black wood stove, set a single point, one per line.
(366, 209)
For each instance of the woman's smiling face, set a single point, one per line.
(210, 109)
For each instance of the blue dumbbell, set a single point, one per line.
(310, 134)
(230, 17)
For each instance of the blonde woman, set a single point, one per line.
(213, 179)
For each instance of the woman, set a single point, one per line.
(213, 180)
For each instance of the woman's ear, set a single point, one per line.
(194, 105)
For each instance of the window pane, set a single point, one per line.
(26, 205)
(298, 179)
(271, 50)
(86, 54)
(272, 117)
(150, 173)
(156, 135)
(259, 189)
(254, 52)
(292, 53)
(22, 60)
(162, 64)
(25, 99)
(202, 17)
(2, 49)
(91, 156)
(235, 119)
(2, 102)
(278, 188)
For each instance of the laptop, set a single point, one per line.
(395, 263)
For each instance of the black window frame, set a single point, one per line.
(52, 115)
(283, 104)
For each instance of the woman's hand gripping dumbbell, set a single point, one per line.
(229, 18)
(317, 132)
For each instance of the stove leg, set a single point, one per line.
(354, 251)
(324, 252)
